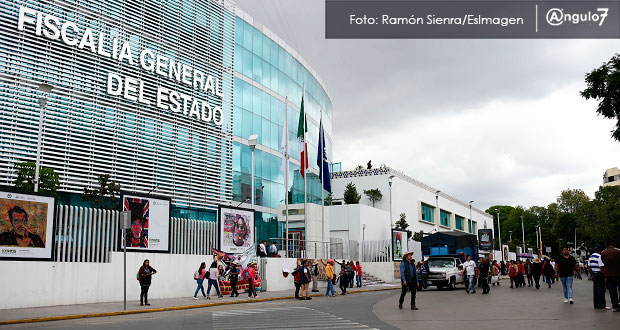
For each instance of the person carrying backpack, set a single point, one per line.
(315, 276)
(199, 276)
(296, 280)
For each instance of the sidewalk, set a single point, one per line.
(51, 313)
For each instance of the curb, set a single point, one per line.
(165, 309)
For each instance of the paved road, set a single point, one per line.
(505, 309)
(345, 312)
(520, 309)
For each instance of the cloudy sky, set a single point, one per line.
(496, 121)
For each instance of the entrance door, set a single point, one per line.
(295, 244)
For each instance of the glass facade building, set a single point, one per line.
(200, 164)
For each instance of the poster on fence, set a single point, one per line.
(150, 222)
(26, 225)
(399, 244)
(236, 229)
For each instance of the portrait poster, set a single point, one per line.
(505, 252)
(26, 225)
(150, 222)
(399, 244)
(236, 229)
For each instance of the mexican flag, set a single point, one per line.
(302, 128)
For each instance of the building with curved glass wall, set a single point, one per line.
(130, 128)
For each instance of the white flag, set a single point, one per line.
(285, 153)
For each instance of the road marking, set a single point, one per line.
(281, 318)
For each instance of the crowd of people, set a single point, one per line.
(602, 268)
(350, 274)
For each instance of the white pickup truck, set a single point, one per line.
(444, 271)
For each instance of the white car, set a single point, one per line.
(444, 271)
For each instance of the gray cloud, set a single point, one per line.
(498, 121)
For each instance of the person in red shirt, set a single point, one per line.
(521, 274)
(358, 278)
(252, 280)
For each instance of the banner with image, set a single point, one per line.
(236, 229)
(399, 244)
(485, 239)
(26, 225)
(149, 229)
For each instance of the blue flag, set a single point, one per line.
(321, 161)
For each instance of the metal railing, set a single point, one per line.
(89, 235)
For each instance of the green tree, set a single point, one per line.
(572, 200)
(359, 168)
(351, 196)
(603, 85)
(374, 195)
(104, 196)
(402, 224)
(599, 220)
(329, 200)
(48, 179)
(417, 236)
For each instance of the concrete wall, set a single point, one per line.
(381, 270)
(318, 244)
(33, 284)
(272, 278)
(347, 222)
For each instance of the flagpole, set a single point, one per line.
(305, 177)
(322, 149)
(286, 174)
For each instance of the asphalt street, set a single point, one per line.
(504, 308)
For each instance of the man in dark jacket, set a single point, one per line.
(409, 280)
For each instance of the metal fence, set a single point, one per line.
(344, 249)
(376, 251)
(89, 235)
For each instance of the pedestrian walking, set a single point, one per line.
(330, 276)
(351, 272)
(358, 270)
(252, 277)
(233, 277)
(344, 279)
(469, 270)
(212, 281)
(521, 273)
(408, 279)
(199, 276)
(528, 273)
(424, 274)
(513, 270)
(495, 272)
(553, 265)
(315, 276)
(296, 280)
(484, 274)
(595, 269)
(503, 267)
(548, 271)
(536, 272)
(145, 273)
(611, 258)
(262, 249)
(565, 267)
(304, 279)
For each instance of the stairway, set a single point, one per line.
(368, 279)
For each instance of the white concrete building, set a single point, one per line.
(426, 208)
(316, 222)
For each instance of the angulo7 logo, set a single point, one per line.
(557, 16)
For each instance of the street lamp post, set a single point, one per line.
(499, 233)
(252, 141)
(470, 219)
(510, 235)
(45, 89)
(437, 204)
(523, 234)
(390, 178)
